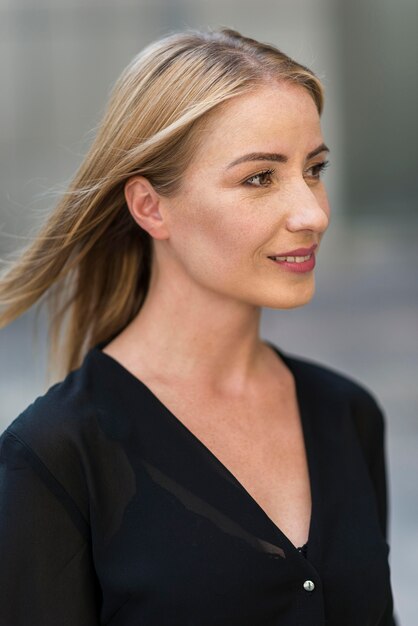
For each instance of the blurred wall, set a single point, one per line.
(378, 53)
(59, 59)
(58, 62)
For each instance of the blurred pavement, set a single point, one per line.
(362, 321)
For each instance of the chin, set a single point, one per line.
(285, 305)
(289, 298)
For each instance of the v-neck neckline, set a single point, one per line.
(303, 412)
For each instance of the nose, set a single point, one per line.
(308, 209)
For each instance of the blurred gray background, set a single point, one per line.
(58, 62)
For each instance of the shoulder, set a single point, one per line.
(53, 434)
(329, 380)
(330, 387)
(57, 415)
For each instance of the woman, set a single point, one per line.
(185, 472)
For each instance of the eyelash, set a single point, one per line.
(320, 167)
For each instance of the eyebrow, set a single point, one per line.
(274, 156)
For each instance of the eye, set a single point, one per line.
(317, 169)
(262, 176)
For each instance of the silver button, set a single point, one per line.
(308, 585)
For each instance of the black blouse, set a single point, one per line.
(113, 513)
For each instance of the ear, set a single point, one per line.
(144, 205)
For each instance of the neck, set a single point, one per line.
(188, 333)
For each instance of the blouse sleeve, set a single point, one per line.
(370, 424)
(46, 572)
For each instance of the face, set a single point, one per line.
(228, 219)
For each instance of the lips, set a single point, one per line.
(297, 252)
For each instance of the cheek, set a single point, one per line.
(216, 239)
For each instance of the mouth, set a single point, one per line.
(292, 259)
(296, 255)
(298, 264)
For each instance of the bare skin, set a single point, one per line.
(195, 342)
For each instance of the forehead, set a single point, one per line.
(268, 118)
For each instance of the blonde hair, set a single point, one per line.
(90, 260)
